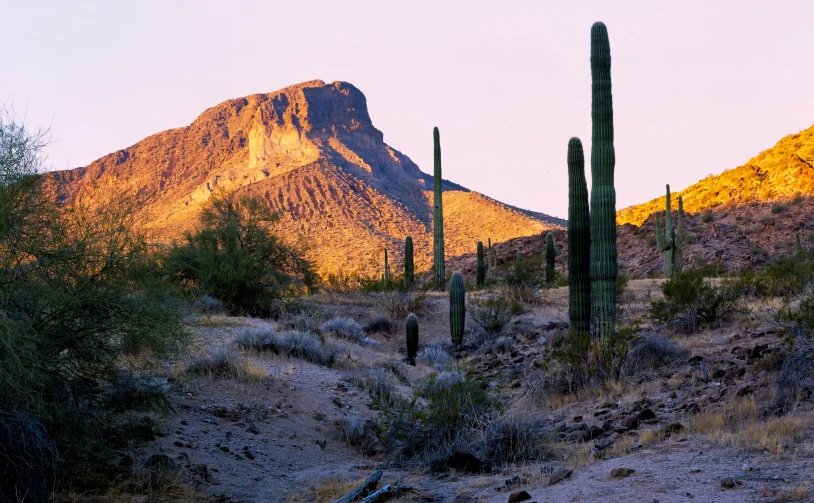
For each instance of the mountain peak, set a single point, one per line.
(311, 151)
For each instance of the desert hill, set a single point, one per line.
(778, 174)
(313, 153)
(742, 218)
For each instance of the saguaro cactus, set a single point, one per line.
(386, 269)
(550, 257)
(409, 267)
(481, 271)
(412, 338)
(665, 241)
(457, 308)
(490, 269)
(579, 241)
(679, 239)
(603, 193)
(799, 248)
(438, 217)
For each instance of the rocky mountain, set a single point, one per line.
(313, 153)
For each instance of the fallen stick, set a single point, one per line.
(363, 490)
(387, 492)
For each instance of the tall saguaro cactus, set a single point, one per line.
(679, 239)
(412, 337)
(480, 277)
(409, 265)
(579, 241)
(550, 257)
(665, 241)
(603, 193)
(457, 308)
(438, 217)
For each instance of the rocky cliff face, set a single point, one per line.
(313, 153)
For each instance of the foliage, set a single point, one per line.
(398, 304)
(796, 379)
(493, 314)
(690, 303)
(344, 328)
(585, 361)
(304, 345)
(456, 411)
(78, 300)
(236, 258)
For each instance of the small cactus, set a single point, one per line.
(386, 276)
(550, 257)
(799, 247)
(412, 338)
(409, 267)
(481, 271)
(679, 239)
(457, 308)
(665, 242)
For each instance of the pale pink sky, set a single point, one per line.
(698, 86)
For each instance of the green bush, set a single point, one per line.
(707, 216)
(457, 409)
(779, 208)
(582, 361)
(78, 301)
(235, 258)
(493, 314)
(690, 303)
(795, 382)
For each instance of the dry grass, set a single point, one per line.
(326, 491)
(799, 493)
(226, 362)
(740, 424)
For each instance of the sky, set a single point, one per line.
(698, 86)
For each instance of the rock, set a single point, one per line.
(750, 468)
(695, 469)
(578, 436)
(595, 432)
(464, 498)
(727, 483)
(519, 496)
(559, 476)
(767, 492)
(631, 422)
(620, 473)
(672, 428)
(249, 453)
(465, 462)
(646, 415)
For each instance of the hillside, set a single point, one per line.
(775, 175)
(313, 153)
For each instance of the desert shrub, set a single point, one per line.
(235, 257)
(380, 324)
(305, 318)
(653, 354)
(433, 356)
(457, 413)
(690, 303)
(377, 381)
(78, 300)
(524, 280)
(501, 345)
(515, 440)
(225, 362)
(209, 305)
(353, 430)
(138, 391)
(779, 208)
(397, 304)
(707, 216)
(795, 382)
(303, 345)
(580, 361)
(344, 328)
(493, 314)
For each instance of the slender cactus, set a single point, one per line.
(409, 266)
(665, 241)
(412, 338)
(386, 269)
(550, 257)
(457, 308)
(490, 269)
(480, 277)
(579, 241)
(799, 247)
(438, 217)
(679, 239)
(603, 193)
